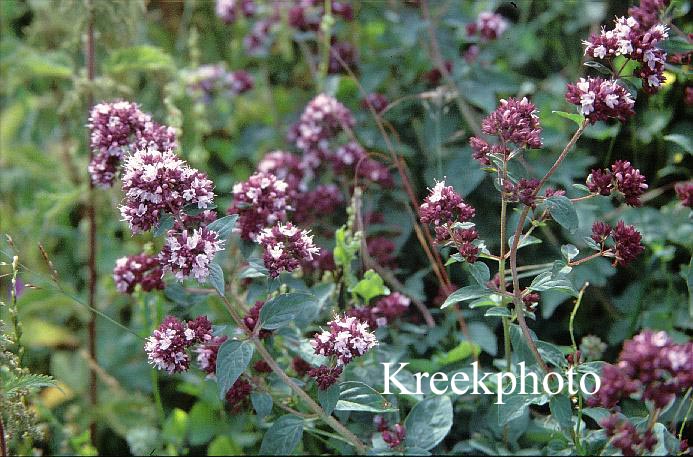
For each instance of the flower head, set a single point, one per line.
(346, 338)
(442, 208)
(166, 347)
(286, 247)
(627, 243)
(156, 183)
(600, 99)
(207, 355)
(239, 392)
(117, 128)
(375, 100)
(325, 376)
(684, 192)
(514, 121)
(488, 25)
(323, 118)
(139, 269)
(189, 253)
(253, 317)
(261, 201)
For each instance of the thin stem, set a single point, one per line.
(516, 241)
(3, 443)
(90, 62)
(326, 28)
(576, 361)
(586, 259)
(501, 265)
(267, 357)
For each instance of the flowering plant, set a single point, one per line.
(330, 227)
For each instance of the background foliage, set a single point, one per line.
(143, 52)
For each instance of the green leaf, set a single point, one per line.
(548, 281)
(515, 405)
(202, 421)
(498, 311)
(562, 411)
(262, 403)
(222, 445)
(371, 286)
(577, 118)
(232, 360)
(329, 397)
(165, 224)
(283, 436)
(563, 212)
(465, 294)
(139, 58)
(462, 351)
(216, 277)
(428, 423)
(255, 269)
(224, 226)
(526, 240)
(26, 381)
(682, 140)
(479, 270)
(599, 67)
(357, 396)
(281, 310)
(569, 252)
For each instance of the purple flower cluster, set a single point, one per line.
(156, 183)
(385, 310)
(239, 392)
(323, 118)
(442, 208)
(261, 201)
(633, 40)
(189, 253)
(600, 99)
(253, 317)
(141, 269)
(285, 166)
(211, 80)
(394, 436)
(375, 100)
(647, 12)
(207, 355)
(324, 200)
(286, 247)
(343, 55)
(166, 347)
(623, 435)
(626, 240)
(228, 10)
(514, 121)
(684, 192)
(382, 249)
(524, 191)
(117, 128)
(488, 25)
(346, 338)
(623, 177)
(325, 376)
(651, 366)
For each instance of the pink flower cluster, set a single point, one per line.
(261, 201)
(626, 240)
(117, 128)
(600, 99)
(488, 25)
(385, 310)
(323, 118)
(211, 80)
(647, 12)
(141, 269)
(207, 355)
(622, 177)
(443, 207)
(524, 191)
(623, 435)
(651, 366)
(631, 39)
(156, 183)
(228, 10)
(514, 121)
(189, 253)
(346, 338)
(684, 192)
(375, 100)
(394, 436)
(286, 247)
(166, 347)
